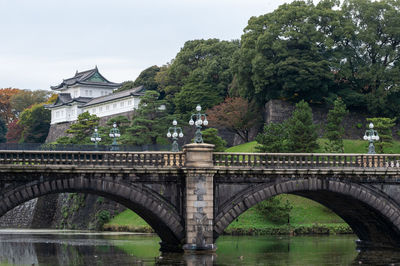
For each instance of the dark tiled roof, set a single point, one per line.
(138, 91)
(90, 77)
(65, 99)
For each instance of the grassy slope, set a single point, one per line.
(305, 212)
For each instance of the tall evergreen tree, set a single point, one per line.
(302, 133)
(36, 124)
(334, 127)
(384, 127)
(273, 138)
(150, 122)
(3, 131)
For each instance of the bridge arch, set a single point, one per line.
(156, 211)
(373, 216)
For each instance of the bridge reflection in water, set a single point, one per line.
(190, 197)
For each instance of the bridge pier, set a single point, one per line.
(199, 195)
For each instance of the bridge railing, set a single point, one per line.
(128, 159)
(305, 160)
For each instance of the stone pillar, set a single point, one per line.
(199, 197)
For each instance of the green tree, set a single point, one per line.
(122, 123)
(200, 73)
(150, 122)
(302, 133)
(145, 78)
(384, 127)
(3, 131)
(81, 131)
(210, 135)
(36, 124)
(283, 49)
(275, 210)
(334, 127)
(274, 138)
(367, 53)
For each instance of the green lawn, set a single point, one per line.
(304, 217)
(350, 146)
(128, 221)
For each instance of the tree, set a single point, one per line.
(274, 138)
(302, 134)
(351, 51)
(122, 124)
(145, 78)
(199, 74)
(14, 133)
(334, 127)
(3, 131)
(275, 210)
(384, 127)
(81, 131)
(26, 98)
(235, 114)
(150, 122)
(6, 112)
(36, 124)
(367, 53)
(210, 135)
(283, 49)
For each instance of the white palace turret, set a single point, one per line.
(89, 91)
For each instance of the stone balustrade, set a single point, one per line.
(305, 160)
(219, 159)
(137, 159)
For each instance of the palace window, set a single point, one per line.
(130, 102)
(107, 107)
(121, 104)
(114, 106)
(100, 109)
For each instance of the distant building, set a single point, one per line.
(89, 91)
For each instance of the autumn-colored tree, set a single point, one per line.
(236, 115)
(27, 98)
(6, 112)
(14, 132)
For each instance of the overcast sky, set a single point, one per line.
(44, 41)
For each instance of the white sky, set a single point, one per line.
(44, 41)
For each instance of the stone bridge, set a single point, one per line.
(190, 197)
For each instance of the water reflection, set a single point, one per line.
(79, 248)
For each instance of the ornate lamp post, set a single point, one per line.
(371, 135)
(114, 134)
(175, 135)
(199, 121)
(95, 138)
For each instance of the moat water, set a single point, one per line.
(52, 247)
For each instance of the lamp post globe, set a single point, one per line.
(371, 135)
(174, 132)
(198, 119)
(95, 138)
(114, 134)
